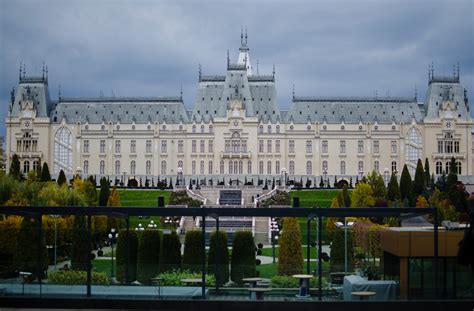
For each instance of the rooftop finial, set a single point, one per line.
(416, 93)
(24, 70)
(454, 71)
(228, 59)
(181, 92)
(199, 72)
(46, 72)
(273, 71)
(245, 35)
(257, 68)
(242, 35)
(432, 70)
(21, 69)
(293, 91)
(59, 91)
(43, 70)
(458, 70)
(12, 96)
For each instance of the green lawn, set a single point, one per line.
(268, 251)
(315, 198)
(104, 266)
(270, 270)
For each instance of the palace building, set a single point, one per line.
(237, 130)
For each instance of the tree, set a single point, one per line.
(321, 182)
(452, 176)
(362, 196)
(124, 250)
(90, 193)
(393, 193)
(104, 192)
(193, 251)
(218, 259)
(337, 250)
(242, 263)
(148, 255)
(79, 253)
(376, 182)
(427, 173)
(15, 170)
(45, 176)
(170, 252)
(421, 201)
(346, 196)
(419, 184)
(331, 221)
(62, 178)
(406, 186)
(290, 257)
(114, 200)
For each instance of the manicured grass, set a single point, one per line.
(104, 266)
(270, 270)
(146, 198)
(268, 251)
(315, 198)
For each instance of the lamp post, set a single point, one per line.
(274, 232)
(345, 226)
(180, 176)
(139, 228)
(113, 235)
(284, 175)
(124, 171)
(152, 225)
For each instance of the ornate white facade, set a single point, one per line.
(236, 130)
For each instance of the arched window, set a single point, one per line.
(278, 129)
(86, 167)
(260, 167)
(241, 168)
(117, 167)
(309, 168)
(133, 167)
(211, 128)
(447, 165)
(269, 167)
(325, 167)
(148, 167)
(210, 168)
(180, 163)
(277, 167)
(26, 167)
(360, 167)
(292, 168)
(260, 129)
(249, 167)
(102, 167)
(231, 168)
(193, 167)
(413, 149)
(458, 167)
(221, 167)
(36, 166)
(269, 129)
(236, 169)
(163, 167)
(63, 151)
(343, 168)
(439, 168)
(201, 167)
(377, 166)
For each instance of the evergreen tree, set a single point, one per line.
(218, 260)
(290, 257)
(15, 170)
(193, 251)
(350, 183)
(337, 251)
(79, 252)
(104, 192)
(441, 182)
(62, 178)
(321, 182)
(242, 263)
(170, 253)
(452, 176)
(419, 184)
(114, 201)
(346, 196)
(393, 189)
(121, 255)
(90, 193)
(45, 176)
(376, 182)
(362, 196)
(427, 174)
(148, 255)
(406, 186)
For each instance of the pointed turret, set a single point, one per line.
(244, 57)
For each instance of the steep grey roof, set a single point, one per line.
(445, 88)
(35, 89)
(353, 110)
(120, 109)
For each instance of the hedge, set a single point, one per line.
(219, 268)
(290, 257)
(243, 256)
(76, 277)
(193, 251)
(170, 253)
(148, 255)
(122, 255)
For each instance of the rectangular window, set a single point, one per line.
(201, 147)
(148, 146)
(342, 146)
(394, 146)
(309, 146)
(164, 146)
(86, 146)
(456, 146)
(260, 146)
(180, 146)
(244, 146)
(193, 146)
(133, 146)
(360, 146)
(376, 166)
(324, 146)
(269, 146)
(376, 146)
(227, 145)
(102, 146)
(448, 145)
(211, 147)
(440, 146)
(291, 146)
(277, 146)
(117, 146)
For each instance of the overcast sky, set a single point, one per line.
(150, 48)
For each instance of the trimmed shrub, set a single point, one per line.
(337, 251)
(104, 191)
(393, 193)
(174, 277)
(79, 252)
(15, 170)
(219, 268)
(45, 175)
(406, 186)
(77, 277)
(243, 257)
(181, 198)
(170, 253)
(148, 255)
(193, 251)
(62, 178)
(290, 257)
(419, 186)
(122, 255)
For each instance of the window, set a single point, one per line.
(440, 146)
(360, 146)
(277, 146)
(343, 168)
(148, 146)
(269, 167)
(133, 167)
(164, 145)
(211, 128)
(193, 167)
(309, 168)
(277, 167)
(376, 146)
(456, 146)
(458, 167)
(85, 168)
(241, 167)
(201, 146)
(148, 167)
(448, 146)
(201, 167)
(260, 129)
(342, 146)
(278, 129)
(193, 146)
(26, 167)
(202, 128)
(117, 167)
(235, 143)
(394, 146)
(448, 168)
(249, 167)
(102, 146)
(413, 149)
(377, 166)
(210, 168)
(269, 129)
(63, 151)
(211, 147)
(221, 167)
(324, 146)
(163, 167)
(86, 146)
(292, 168)
(231, 168)
(194, 128)
(260, 146)
(325, 167)
(269, 146)
(36, 166)
(439, 168)
(235, 167)
(260, 167)
(117, 146)
(180, 164)
(102, 167)
(244, 146)
(394, 167)
(291, 146)
(227, 146)
(309, 146)
(133, 146)
(360, 167)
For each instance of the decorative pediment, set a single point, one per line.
(27, 109)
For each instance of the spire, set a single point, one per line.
(12, 96)
(21, 67)
(416, 94)
(242, 35)
(199, 72)
(244, 57)
(274, 71)
(228, 59)
(246, 35)
(293, 92)
(43, 70)
(59, 92)
(181, 92)
(24, 70)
